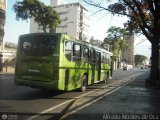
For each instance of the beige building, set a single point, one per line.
(128, 55)
(74, 20)
(57, 2)
(2, 22)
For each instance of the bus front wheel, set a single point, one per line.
(83, 83)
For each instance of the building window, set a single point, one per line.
(67, 6)
(40, 28)
(62, 13)
(65, 19)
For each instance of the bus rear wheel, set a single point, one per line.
(83, 83)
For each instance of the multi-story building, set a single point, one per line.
(95, 42)
(74, 20)
(56, 2)
(2, 22)
(128, 55)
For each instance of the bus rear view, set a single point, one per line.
(37, 60)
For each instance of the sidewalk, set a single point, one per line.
(133, 101)
(8, 70)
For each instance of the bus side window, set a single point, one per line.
(85, 53)
(98, 57)
(107, 58)
(68, 50)
(76, 52)
(92, 56)
(103, 58)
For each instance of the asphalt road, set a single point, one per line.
(26, 100)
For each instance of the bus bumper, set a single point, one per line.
(38, 84)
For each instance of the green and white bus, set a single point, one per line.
(57, 61)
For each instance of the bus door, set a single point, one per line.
(99, 65)
(93, 65)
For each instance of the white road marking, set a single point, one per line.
(47, 110)
(52, 108)
(4, 77)
(101, 97)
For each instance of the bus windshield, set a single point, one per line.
(38, 45)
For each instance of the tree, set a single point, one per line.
(143, 17)
(139, 59)
(123, 47)
(44, 15)
(115, 40)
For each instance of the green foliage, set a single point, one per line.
(116, 32)
(143, 17)
(115, 40)
(9, 45)
(139, 59)
(44, 15)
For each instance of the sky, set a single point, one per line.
(99, 23)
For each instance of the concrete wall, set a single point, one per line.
(8, 70)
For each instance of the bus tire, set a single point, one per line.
(83, 83)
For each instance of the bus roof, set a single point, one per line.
(71, 39)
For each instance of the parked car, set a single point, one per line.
(141, 67)
(125, 68)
